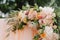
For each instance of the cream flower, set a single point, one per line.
(22, 15)
(47, 9)
(55, 36)
(54, 26)
(54, 15)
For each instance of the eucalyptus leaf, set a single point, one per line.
(36, 37)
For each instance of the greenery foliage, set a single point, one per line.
(16, 4)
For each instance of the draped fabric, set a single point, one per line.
(25, 34)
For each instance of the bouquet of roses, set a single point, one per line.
(40, 19)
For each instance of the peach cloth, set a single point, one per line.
(26, 34)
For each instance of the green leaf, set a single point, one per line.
(55, 20)
(21, 25)
(0, 16)
(26, 7)
(23, 7)
(52, 2)
(56, 30)
(41, 31)
(36, 7)
(36, 21)
(36, 37)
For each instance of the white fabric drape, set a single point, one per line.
(26, 34)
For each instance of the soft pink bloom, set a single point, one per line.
(32, 15)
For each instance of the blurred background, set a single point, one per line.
(7, 5)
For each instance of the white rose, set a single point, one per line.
(48, 10)
(49, 32)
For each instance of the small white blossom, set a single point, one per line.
(40, 7)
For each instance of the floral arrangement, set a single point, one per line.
(41, 19)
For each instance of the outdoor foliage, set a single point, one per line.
(7, 5)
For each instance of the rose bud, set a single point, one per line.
(27, 13)
(40, 17)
